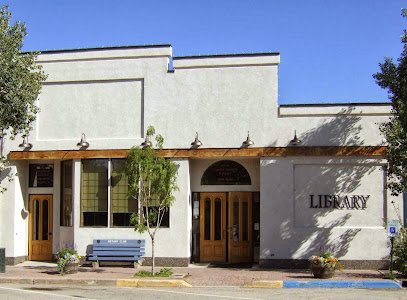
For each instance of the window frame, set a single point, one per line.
(82, 217)
(62, 218)
(110, 217)
(111, 200)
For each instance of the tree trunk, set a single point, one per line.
(152, 255)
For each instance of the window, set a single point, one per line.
(94, 192)
(66, 193)
(41, 175)
(165, 222)
(122, 206)
(226, 172)
(103, 199)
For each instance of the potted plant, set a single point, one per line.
(68, 261)
(324, 265)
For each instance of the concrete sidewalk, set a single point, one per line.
(194, 275)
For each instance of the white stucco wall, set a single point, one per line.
(291, 229)
(7, 215)
(113, 95)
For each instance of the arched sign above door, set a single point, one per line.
(226, 172)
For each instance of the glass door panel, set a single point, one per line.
(245, 219)
(45, 229)
(207, 219)
(235, 218)
(218, 219)
(36, 220)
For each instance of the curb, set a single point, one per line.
(63, 281)
(151, 283)
(267, 284)
(101, 282)
(343, 284)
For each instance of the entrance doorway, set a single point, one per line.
(226, 227)
(40, 228)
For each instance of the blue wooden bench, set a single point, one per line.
(117, 250)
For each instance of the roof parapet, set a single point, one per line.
(105, 53)
(226, 60)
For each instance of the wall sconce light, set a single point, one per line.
(295, 141)
(195, 210)
(25, 144)
(83, 143)
(248, 142)
(146, 143)
(196, 143)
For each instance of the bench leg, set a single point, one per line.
(95, 264)
(138, 263)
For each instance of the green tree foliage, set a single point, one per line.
(393, 77)
(20, 81)
(152, 180)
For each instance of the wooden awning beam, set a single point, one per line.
(208, 153)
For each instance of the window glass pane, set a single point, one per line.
(165, 221)
(66, 193)
(207, 220)
(41, 175)
(226, 172)
(94, 192)
(218, 219)
(36, 220)
(122, 206)
(235, 231)
(245, 219)
(45, 220)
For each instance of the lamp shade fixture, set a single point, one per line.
(83, 143)
(248, 142)
(25, 144)
(295, 141)
(196, 143)
(146, 143)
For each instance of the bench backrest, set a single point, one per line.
(121, 247)
(119, 243)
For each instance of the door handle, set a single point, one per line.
(50, 233)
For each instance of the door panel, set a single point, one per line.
(40, 229)
(240, 227)
(213, 227)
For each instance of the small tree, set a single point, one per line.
(20, 82)
(394, 78)
(152, 181)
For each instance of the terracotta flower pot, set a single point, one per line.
(71, 267)
(323, 271)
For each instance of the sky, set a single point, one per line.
(329, 48)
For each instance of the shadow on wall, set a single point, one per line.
(307, 231)
(341, 130)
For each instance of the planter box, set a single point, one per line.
(71, 267)
(323, 271)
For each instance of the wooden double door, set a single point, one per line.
(226, 227)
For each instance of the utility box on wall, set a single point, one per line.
(2, 260)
